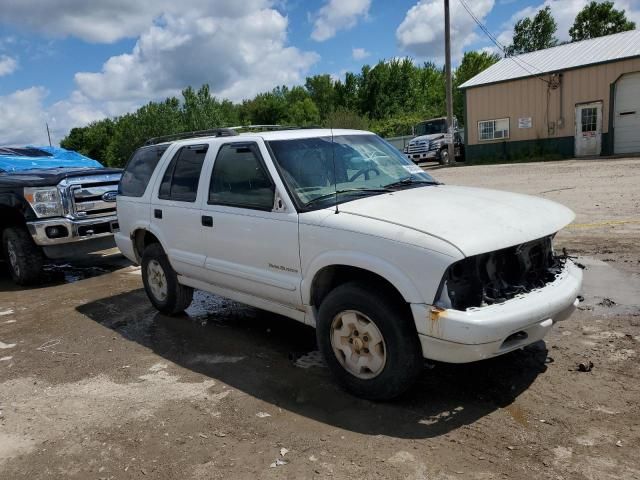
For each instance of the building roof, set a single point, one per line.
(563, 57)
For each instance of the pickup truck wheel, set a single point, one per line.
(25, 258)
(369, 344)
(161, 282)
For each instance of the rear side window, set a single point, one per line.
(240, 178)
(180, 181)
(139, 169)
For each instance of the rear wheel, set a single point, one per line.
(369, 342)
(161, 282)
(24, 257)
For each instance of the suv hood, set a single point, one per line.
(474, 220)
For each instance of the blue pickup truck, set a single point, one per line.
(54, 203)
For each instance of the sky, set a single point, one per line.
(70, 62)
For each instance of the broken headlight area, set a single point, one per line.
(495, 277)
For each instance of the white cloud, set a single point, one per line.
(22, 117)
(239, 51)
(421, 33)
(107, 21)
(238, 57)
(8, 65)
(564, 12)
(360, 53)
(338, 15)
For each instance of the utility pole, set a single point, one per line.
(48, 134)
(447, 73)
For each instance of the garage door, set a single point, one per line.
(627, 114)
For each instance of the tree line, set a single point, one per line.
(388, 98)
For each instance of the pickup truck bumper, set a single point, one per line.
(62, 230)
(456, 336)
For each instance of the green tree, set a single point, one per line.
(342, 117)
(321, 90)
(92, 140)
(598, 19)
(531, 34)
(471, 65)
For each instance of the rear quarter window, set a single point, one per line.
(139, 169)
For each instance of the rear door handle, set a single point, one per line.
(207, 221)
(157, 213)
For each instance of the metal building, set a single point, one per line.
(578, 99)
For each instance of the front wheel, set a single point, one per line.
(369, 342)
(161, 282)
(24, 257)
(444, 156)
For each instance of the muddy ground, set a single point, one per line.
(95, 384)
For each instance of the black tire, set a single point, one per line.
(444, 157)
(24, 258)
(403, 351)
(178, 297)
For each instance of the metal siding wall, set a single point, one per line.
(528, 98)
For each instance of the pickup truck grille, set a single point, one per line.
(87, 195)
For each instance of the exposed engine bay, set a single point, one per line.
(498, 276)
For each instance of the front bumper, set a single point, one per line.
(69, 230)
(456, 336)
(417, 157)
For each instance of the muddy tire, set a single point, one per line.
(161, 282)
(369, 342)
(24, 258)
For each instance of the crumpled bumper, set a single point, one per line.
(477, 333)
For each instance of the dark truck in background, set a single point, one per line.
(54, 204)
(430, 144)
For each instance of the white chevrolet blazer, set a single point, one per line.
(338, 230)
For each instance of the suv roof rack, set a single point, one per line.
(271, 127)
(221, 132)
(213, 132)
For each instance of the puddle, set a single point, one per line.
(207, 307)
(68, 273)
(608, 291)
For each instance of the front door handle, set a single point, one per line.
(207, 221)
(157, 213)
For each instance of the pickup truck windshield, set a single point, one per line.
(351, 165)
(431, 127)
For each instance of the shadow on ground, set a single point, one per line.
(445, 398)
(59, 272)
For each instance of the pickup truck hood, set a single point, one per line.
(49, 176)
(474, 220)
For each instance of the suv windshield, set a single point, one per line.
(431, 127)
(319, 171)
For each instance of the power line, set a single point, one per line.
(502, 48)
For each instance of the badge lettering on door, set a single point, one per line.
(283, 268)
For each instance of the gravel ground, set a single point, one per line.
(95, 384)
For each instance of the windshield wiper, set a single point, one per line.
(348, 190)
(411, 181)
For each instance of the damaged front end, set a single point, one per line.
(498, 276)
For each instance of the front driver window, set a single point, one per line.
(240, 179)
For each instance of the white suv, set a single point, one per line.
(338, 230)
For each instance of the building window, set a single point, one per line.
(589, 118)
(493, 129)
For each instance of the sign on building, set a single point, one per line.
(525, 122)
